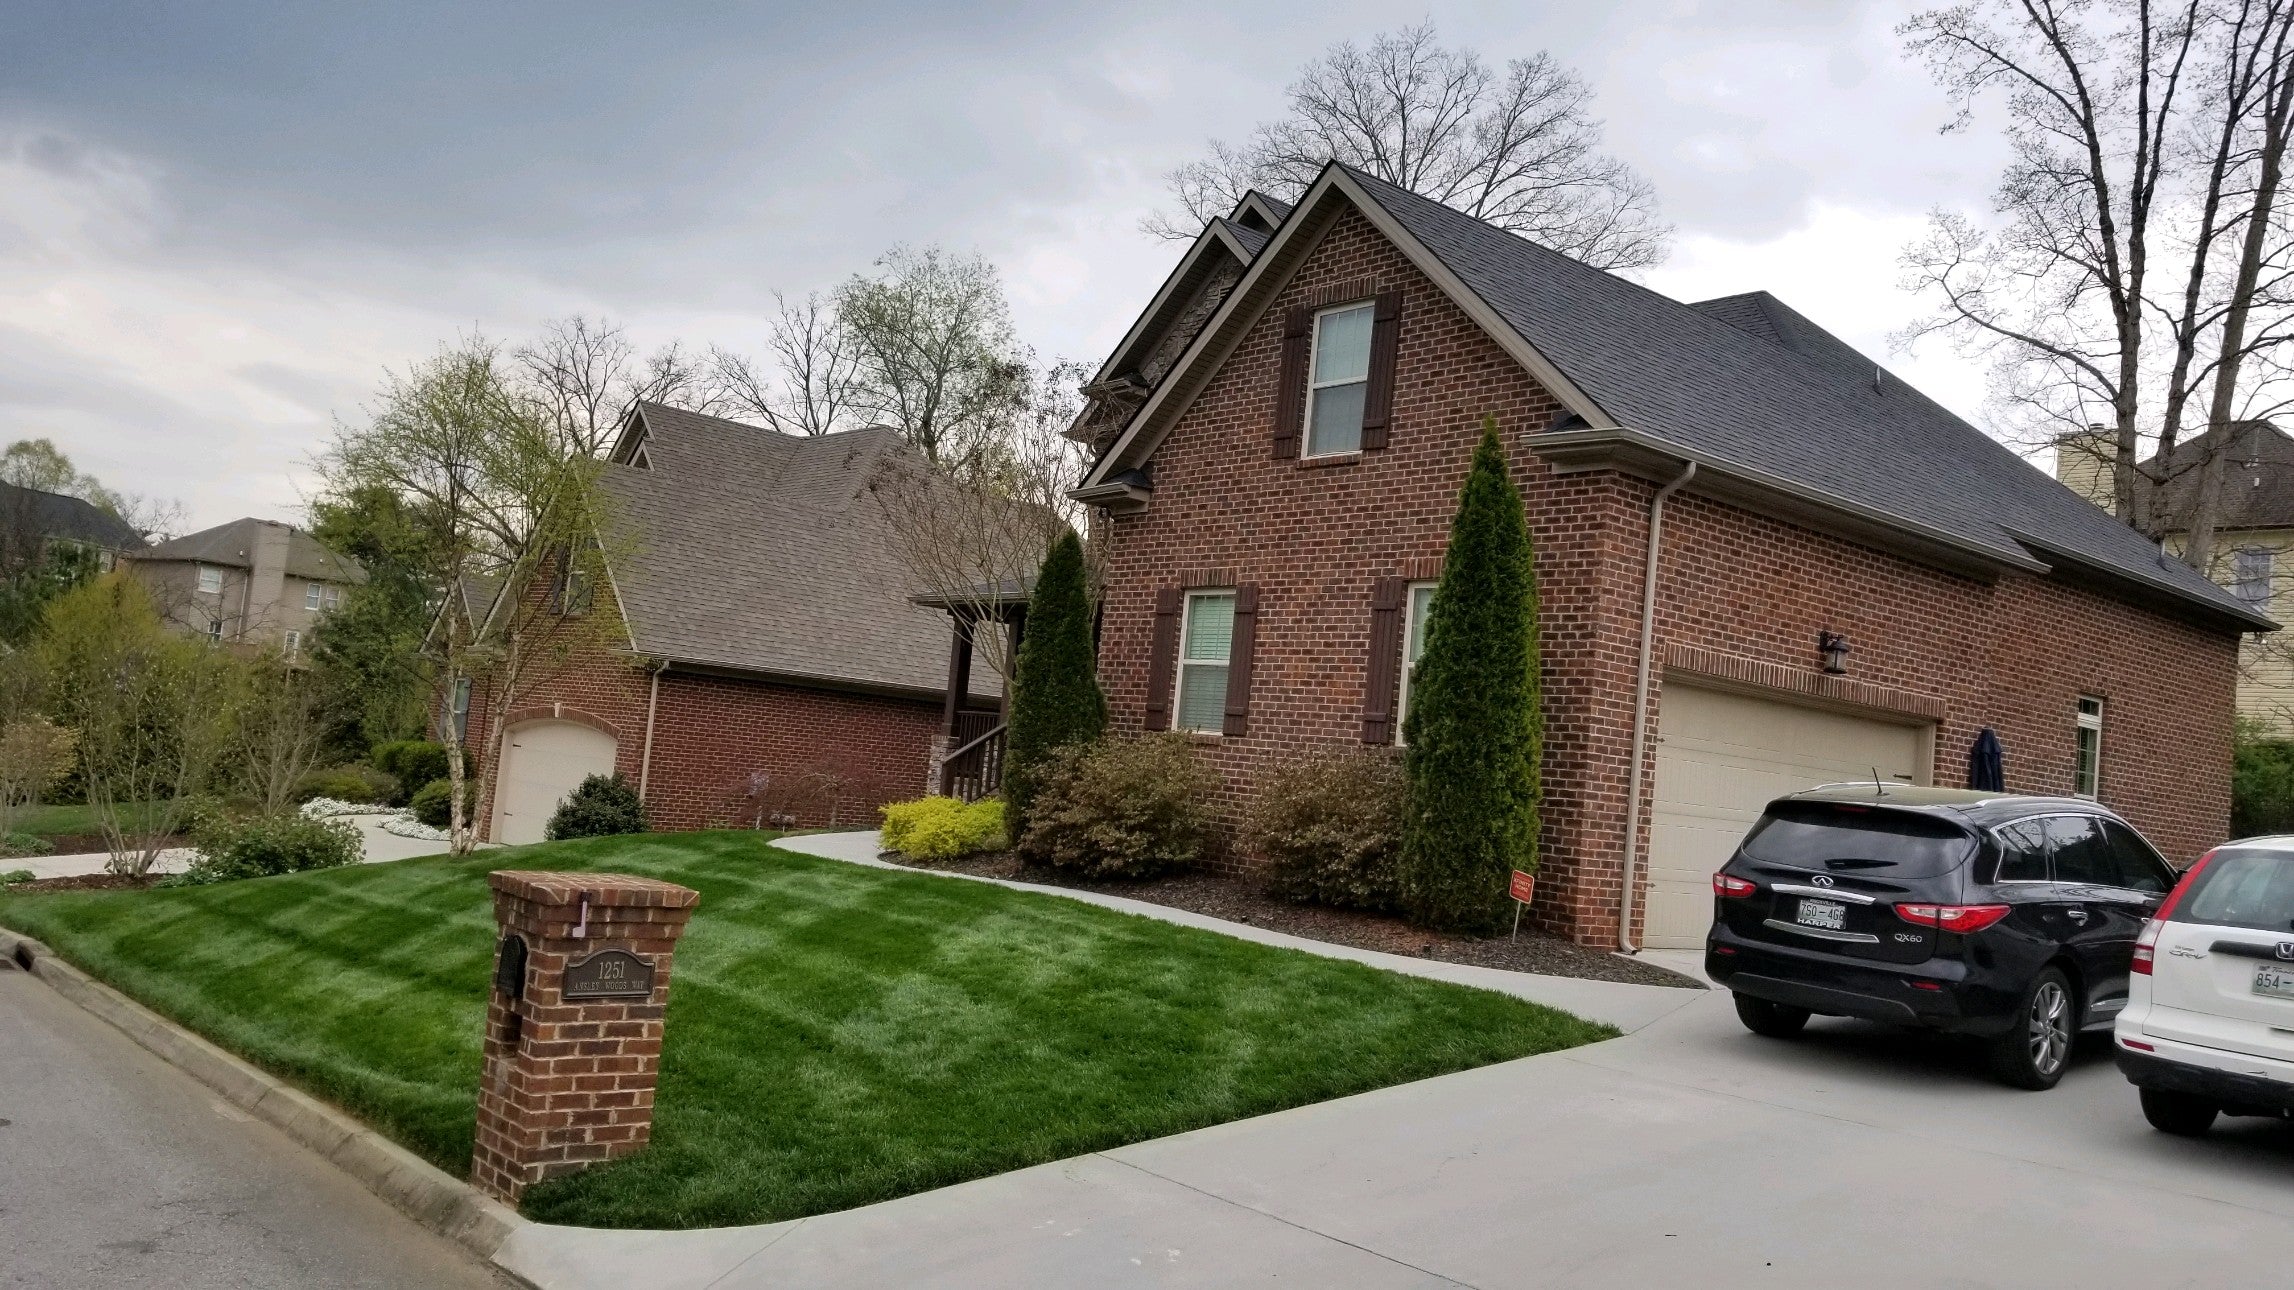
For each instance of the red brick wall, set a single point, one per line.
(825, 756)
(1314, 535)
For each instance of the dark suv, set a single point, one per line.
(2008, 918)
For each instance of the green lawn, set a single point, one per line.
(837, 1035)
(61, 821)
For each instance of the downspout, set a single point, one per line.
(1641, 709)
(652, 703)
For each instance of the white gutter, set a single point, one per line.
(1641, 709)
(645, 764)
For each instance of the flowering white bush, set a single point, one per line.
(319, 808)
(406, 826)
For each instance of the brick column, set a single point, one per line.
(568, 1081)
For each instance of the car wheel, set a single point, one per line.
(2180, 1114)
(1771, 1019)
(2037, 1046)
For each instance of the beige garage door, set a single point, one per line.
(1721, 757)
(541, 763)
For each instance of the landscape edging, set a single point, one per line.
(416, 1188)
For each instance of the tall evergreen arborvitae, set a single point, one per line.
(1475, 728)
(1055, 696)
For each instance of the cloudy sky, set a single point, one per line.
(220, 221)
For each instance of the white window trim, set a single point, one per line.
(294, 640)
(1313, 387)
(1179, 681)
(200, 579)
(2267, 576)
(1409, 621)
(312, 595)
(2088, 721)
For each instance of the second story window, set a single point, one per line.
(311, 595)
(333, 597)
(210, 581)
(1338, 380)
(2250, 575)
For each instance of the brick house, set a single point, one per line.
(1278, 466)
(774, 666)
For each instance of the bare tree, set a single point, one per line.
(508, 501)
(1520, 148)
(585, 374)
(2137, 264)
(279, 733)
(936, 357)
(813, 384)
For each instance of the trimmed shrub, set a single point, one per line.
(271, 844)
(601, 806)
(1120, 808)
(18, 875)
(943, 828)
(1475, 729)
(26, 844)
(434, 805)
(1330, 826)
(352, 783)
(1055, 692)
(2261, 784)
(414, 762)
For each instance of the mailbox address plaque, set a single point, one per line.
(608, 974)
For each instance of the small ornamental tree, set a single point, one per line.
(1474, 733)
(1055, 695)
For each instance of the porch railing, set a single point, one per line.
(975, 765)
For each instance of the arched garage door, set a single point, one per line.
(542, 761)
(1721, 757)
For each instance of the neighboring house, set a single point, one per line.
(250, 582)
(35, 524)
(773, 668)
(2254, 540)
(1272, 513)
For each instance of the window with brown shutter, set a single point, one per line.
(1163, 658)
(1239, 653)
(1383, 678)
(1289, 402)
(1385, 343)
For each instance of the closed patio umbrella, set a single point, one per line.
(1986, 770)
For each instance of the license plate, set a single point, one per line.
(1830, 915)
(2272, 980)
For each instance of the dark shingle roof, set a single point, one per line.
(55, 515)
(1253, 240)
(1748, 381)
(2257, 476)
(764, 552)
(229, 545)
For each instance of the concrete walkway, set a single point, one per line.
(1687, 1153)
(1621, 1004)
(118, 1170)
(379, 846)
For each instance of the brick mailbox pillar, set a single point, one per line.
(573, 1026)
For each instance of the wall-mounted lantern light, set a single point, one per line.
(1834, 647)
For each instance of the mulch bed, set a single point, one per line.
(73, 844)
(87, 882)
(1241, 900)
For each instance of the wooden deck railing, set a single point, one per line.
(975, 765)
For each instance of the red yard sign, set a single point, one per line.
(1523, 886)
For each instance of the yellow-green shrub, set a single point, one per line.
(942, 828)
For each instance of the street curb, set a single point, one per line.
(415, 1187)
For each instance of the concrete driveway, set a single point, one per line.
(1687, 1153)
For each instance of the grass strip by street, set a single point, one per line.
(837, 1035)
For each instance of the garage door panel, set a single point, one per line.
(542, 761)
(1723, 756)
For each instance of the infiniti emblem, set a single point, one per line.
(2286, 950)
(1825, 880)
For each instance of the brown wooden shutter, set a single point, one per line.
(1163, 658)
(1385, 342)
(1384, 676)
(1290, 400)
(1239, 651)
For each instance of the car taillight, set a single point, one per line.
(1732, 887)
(2146, 942)
(1963, 919)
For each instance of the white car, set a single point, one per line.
(2208, 1028)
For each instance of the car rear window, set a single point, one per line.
(1820, 835)
(2253, 889)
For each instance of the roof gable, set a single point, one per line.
(1764, 401)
